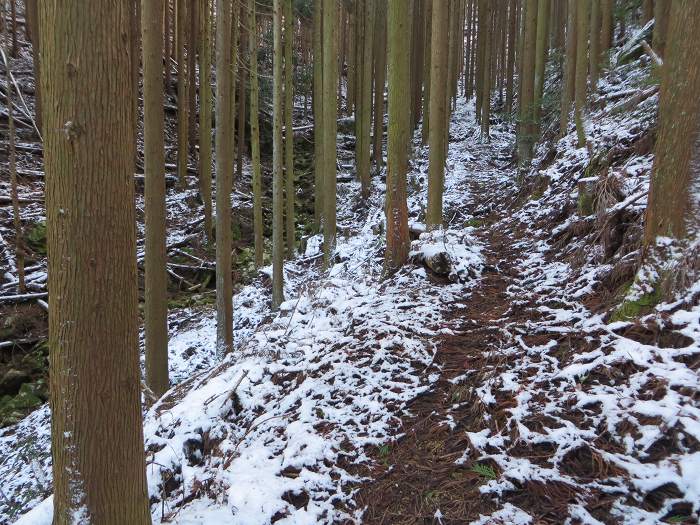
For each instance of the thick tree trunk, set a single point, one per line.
(428, 14)
(526, 135)
(156, 281)
(673, 208)
(438, 111)
(224, 174)
(329, 127)
(397, 239)
(93, 329)
(255, 136)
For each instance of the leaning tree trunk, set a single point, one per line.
(397, 239)
(156, 280)
(91, 238)
(224, 174)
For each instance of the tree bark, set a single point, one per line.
(541, 54)
(438, 111)
(156, 283)
(329, 127)
(397, 238)
(277, 158)
(289, 134)
(661, 16)
(224, 173)
(380, 62)
(317, 104)
(93, 312)
(255, 136)
(594, 55)
(205, 114)
(182, 93)
(581, 80)
(363, 126)
(673, 209)
(568, 89)
(526, 135)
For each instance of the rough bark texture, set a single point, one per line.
(510, 60)
(672, 209)
(329, 126)
(397, 239)
(93, 331)
(156, 283)
(487, 37)
(241, 98)
(363, 115)
(224, 174)
(277, 158)
(438, 111)
(428, 14)
(255, 136)
(541, 53)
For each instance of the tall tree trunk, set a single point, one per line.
(192, 30)
(156, 280)
(352, 57)
(93, 331)
(428, 14)
(167, 44)
(526, 135)
(255, 136)
(182, 92)
(329, 127)
(242, 74)
(12, 158)
(594, 55)
(510, 60)
(32, 16)
(582, 30)
(673, 208)
(541, 53)
(318, 113)
(568, 89)
(438, 111)
(380, 61)
(416, 71)
(289, 134)
(277, 159)
(606, 27)
(205, 114)
(224, 174)
(486, 80)
(661, 16)
(363, 126)
(647, 11)
(397, 239)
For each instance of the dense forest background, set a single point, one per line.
(343, 261)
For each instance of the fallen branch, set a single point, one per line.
(18, 298)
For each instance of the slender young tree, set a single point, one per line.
(255, 136)
(397, 239)
(205, 114)
(487, 39)
(330, 125)
(290, 226)
(156, 283)
(241, 99)
(224, 173)
(510, 61)
(438, 111)
(92, 245)
(32, 20)
(428, 14)
(673, 207)
(277, 159)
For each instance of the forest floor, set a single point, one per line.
(493, 380)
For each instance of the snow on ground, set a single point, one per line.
(277, 429)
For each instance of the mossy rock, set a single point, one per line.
(30, 397)
(631, 309)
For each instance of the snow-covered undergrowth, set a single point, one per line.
(599, 419)
(278, 430)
